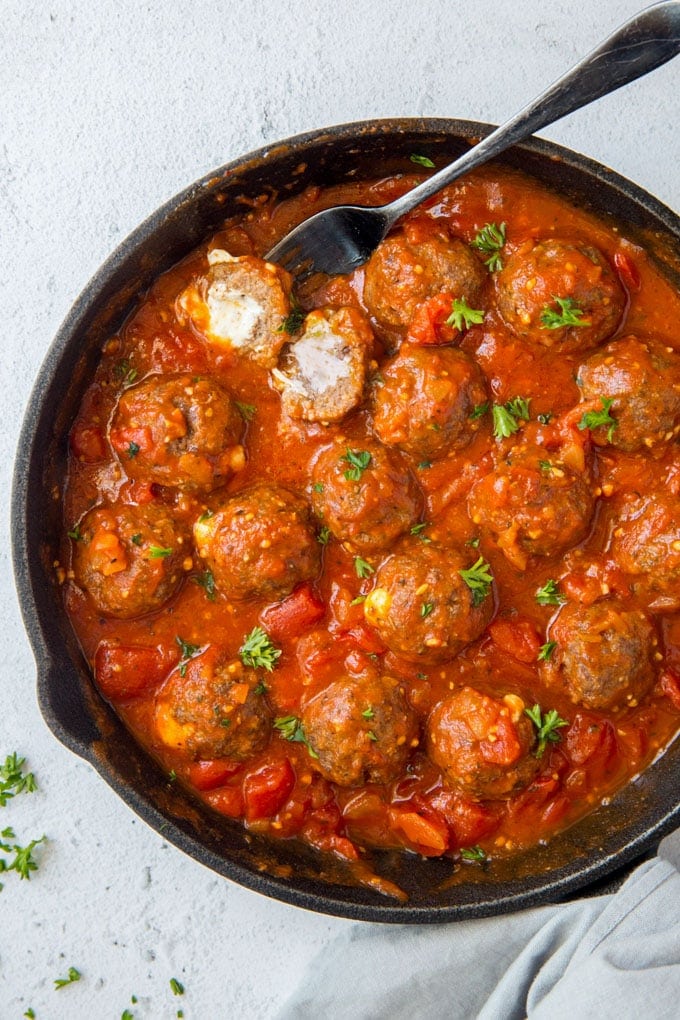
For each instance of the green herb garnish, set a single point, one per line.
(73, 976)
(474, 854)
(75, 533)
(293, 321)
(324, 535)
(258, 651)
(507, 417)
(157, 552)
(462, 316)
(489, 240)
(188, 652)
(362, 568)
(133, 450)
(176, 986)
(479, 579)
(290, 728)
(546, 651)
(358, 460)
(569, 315)
(426, 609)
(247, 411)
(546, 727)
(206, 581)
(421, 160)
(598, 419)
(479, 410)
(13, 779)
(549, 594)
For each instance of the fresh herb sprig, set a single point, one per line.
(569, 315)
(600, 419)
(462, 316)
(359, 461)
(290, 728)
(489, 240)
(547, 724)
(550, 595)
(13, 779)
(508, 416)
(73, 976)
(258, 651)
(479, 579)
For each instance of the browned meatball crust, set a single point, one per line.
(258, 543)
(532, 504)
(129, 558)
(401, 275)
(213, 711)
(366, 508)
(177, 430)
(421, 606)
(482, 744)
(642, 380)
(646, 544)
(425, 401)
(362, 730)
(603, 654)
(537, 274)
(321, 373)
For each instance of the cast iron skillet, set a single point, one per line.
(594, 850)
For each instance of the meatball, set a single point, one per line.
(603, 654)
(129, 558)
(258, 543)
(482, 744)
(646, 544)
(536, 279)
(532, 504)
(241, 304)
(426, 400)
(321, 374)
(362, 730)
(400, 275)
(213, 711)
(641, 378)
(366, 495)
(177, 430)
(421, 606)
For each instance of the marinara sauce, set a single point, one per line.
(391, 559)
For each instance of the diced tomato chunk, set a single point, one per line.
(468, 821)
(209, 774)
(121, 439)
(266, 789)
(125, 671)
(366, 639)
(589, 737)
(428, 325)
(429, 835)
(138, 492)
(228, 800)
(670, 685)
(300, 611)
(88, 443)
(627, 270)
(517, 637)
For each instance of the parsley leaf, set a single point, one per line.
(73, 975)
(426, 608)
(569, 315)
(258, 651)
(324, 535)
(177, 986)
(368, 713)
(293, 321)
(479, 410)
(546, 651)
(473, 853)
(421, 160)
(489, 240)
(188, 652)
(362, 568)
(247, 411)
(125, 372)
(157, 552)
(462, 316)
(206, 581)
(596, 419)
(75, 533)
(546, 727)
(550, 595)
(133, 450)
(358, 460)
(13, 780)
(507, 417)
(290, 728)
(479, 579)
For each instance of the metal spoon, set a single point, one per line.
(339, 239)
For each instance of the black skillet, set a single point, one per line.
(592, 851)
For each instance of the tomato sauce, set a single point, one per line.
(321, 629)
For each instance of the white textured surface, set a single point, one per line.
(107, 109)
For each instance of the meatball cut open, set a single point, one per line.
(213, 710)
(321, 373)
(482, 744)
(177, 430)
(646, 544)
(240, 304)
(426, 400)
(532, 504)
(400, 275)
(641, 379)
(603, 654)
(560, 295)
(364, 493)
(362, 729)
(129, 559)
(258, 543)
(421, 605)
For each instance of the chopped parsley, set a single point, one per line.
(368, 713)
(550, 595)
(290, 728)
(206, 581)
(418, 530)
(371, 736)
(507, 417)
(324, 535)
(358, 600)
(426, 609)
(545, 466)
(24, 862)
(133, 450)
(474, 542)
(176, 986)
(261, 688)
(127, 1015)
(13, 779)
(489, 240)
(136, 539)
(424, 464)
(462, 316)
(318, 486)
(125, 372)
(188, 652)
(479, 410)
(474, 854)
(598, 419)
(258, 651)
(73, 976)
(247, 411)
(569, 315)
(157, 552)
(546, 727)
(30, 1014)
(293, 321)
(544, 419)
(362, 568)
(205, 516)
(546, 651)
(358, 461)
(479, 579)
(75, 533)
(421, 160)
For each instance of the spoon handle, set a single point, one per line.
(645, 42)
